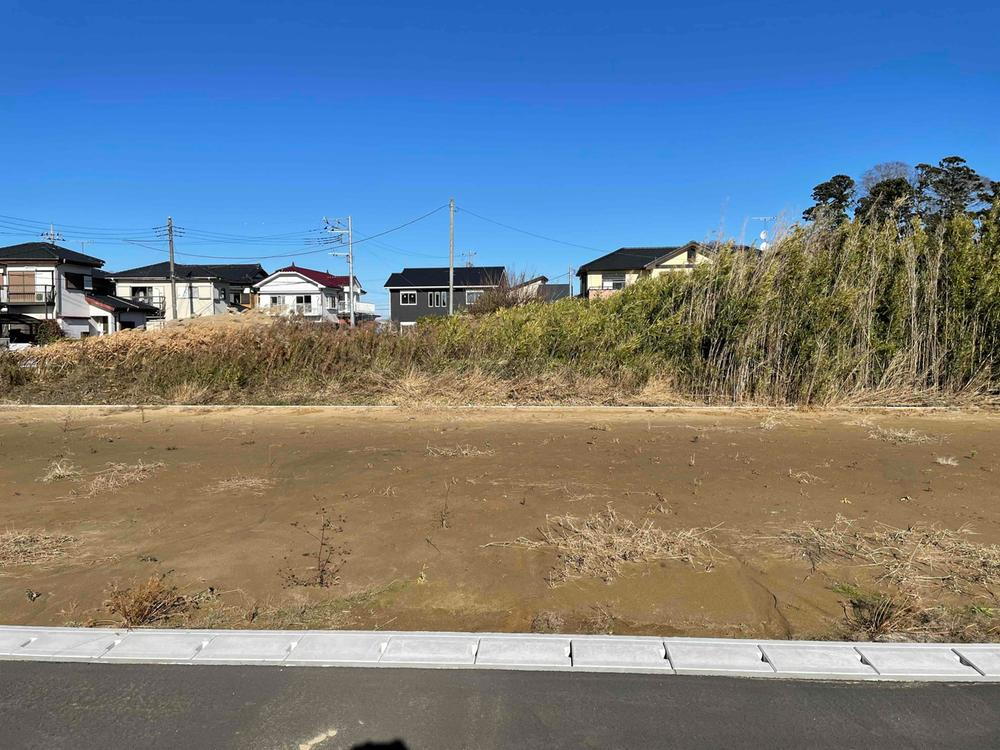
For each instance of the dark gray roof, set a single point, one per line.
(120, 304)
(232, 273)
(633, 258)
(430, 277)
(47, 251)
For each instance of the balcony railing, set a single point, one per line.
(160, 303)
(27, 294)
(360, 308)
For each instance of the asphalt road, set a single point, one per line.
(84, 706)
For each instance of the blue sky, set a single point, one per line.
(629, 123)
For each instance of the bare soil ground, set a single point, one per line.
(689, 522)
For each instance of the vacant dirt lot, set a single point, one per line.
(690, 522)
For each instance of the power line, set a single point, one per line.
(301, 252)
(525, 231)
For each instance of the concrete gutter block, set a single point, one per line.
(70, 644)
(158, 646)
(247, 648)
(694, 657)
(339, 648)
(524, 651)
(12, 641)
(917, 660)
(613, 654)
(986, 659)
(431, 650)
(818, 660)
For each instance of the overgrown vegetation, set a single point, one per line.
(833, 313)
(150, 602)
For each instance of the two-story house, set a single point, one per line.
(42, 281)
(316, 295)
(626, 265)
(201, 290)
(416, 293)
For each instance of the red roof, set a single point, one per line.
(320, 277)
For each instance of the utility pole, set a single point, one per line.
(451, 255)
(470, 256)
(173, 277)
(569, 280)
(52, 235)
(337, 228)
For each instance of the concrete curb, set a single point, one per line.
(815, 660)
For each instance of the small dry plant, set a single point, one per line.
(946, 460)
(901, 437)
(458, 450)
(327, 558)
(912, 558)
(256, 485)
(119, 476)
(32, 548)
(769, 422)
(150, 602)
(600, 545)
(60, 470)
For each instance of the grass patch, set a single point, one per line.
(32, 548)
(234, 485)
(459, 450)
(60, 470)
(118, 476)
(901, 437)
(601, 545)
(912, 559)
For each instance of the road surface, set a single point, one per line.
(85, 706)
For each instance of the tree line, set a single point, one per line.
(897, 192)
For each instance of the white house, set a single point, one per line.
(201, 290)
(42, 281)
(316, 295)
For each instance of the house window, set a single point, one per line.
(437, 299)
(613, 280)
(331, 303)
(691, 255)
(142, 292)
(277, 301)
(407, 298)
(471, 295)
(303, 304)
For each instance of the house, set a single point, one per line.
(416, 293)
(538, 289)
(42, 281)
(206, 289)
(317, 295)
(609, 273)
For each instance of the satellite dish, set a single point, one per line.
(763, 235)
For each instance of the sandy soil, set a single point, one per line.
(417, 525)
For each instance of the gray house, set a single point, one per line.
(416, 293)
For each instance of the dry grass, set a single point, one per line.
(32, 548)
(901, 437)
(769, 422)
(60, 470)
(459, 450)
(600, 545)
(946, 460)
(149, 602)
(233, 485)
(913, 559)
(879, 615)
(118, 476)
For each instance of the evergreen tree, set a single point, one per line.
(834, 199)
